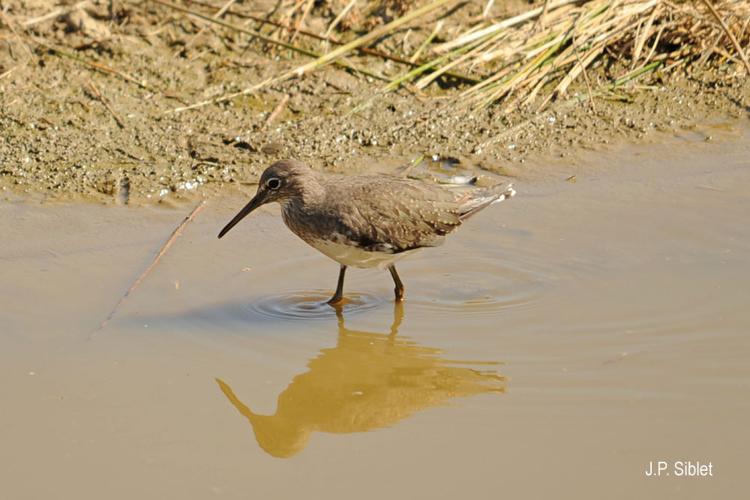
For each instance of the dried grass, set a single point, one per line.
(523, 60)
(536, 56)
(519, 62)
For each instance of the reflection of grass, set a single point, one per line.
(530, 58)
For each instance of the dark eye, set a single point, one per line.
(273, 183)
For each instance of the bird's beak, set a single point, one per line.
(258, 200)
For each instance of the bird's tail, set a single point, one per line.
(482, 198)
(502, 191)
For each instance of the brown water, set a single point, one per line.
(553, 347)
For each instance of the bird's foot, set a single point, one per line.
(336, 300)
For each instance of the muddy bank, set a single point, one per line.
(85, 111)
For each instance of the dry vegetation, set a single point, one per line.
(446, 75)
(514, 60)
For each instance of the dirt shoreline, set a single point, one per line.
(69, 131)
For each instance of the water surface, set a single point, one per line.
(554, 346)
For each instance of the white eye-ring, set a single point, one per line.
(273, 183)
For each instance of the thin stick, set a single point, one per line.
(175, 234)
(11, 70)
(714, 49)
(641, 39)
(338, 19)
(246, 31)
(426, 80)
(364, 50)
(368, 38)
(487, 8)
(53, 14)
(638, 72)
(415, 57)
(97, 66)
(20, 38)
(301, 21)
(540, 20)
(736, 44)
(588, 83)
(654, 46)
(106, 69)
(277, 110)
(330, 57)
(267, 39)
(506, 23)
(218, 14)
(106, 104)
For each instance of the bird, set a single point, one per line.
(366, 221)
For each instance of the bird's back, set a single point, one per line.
(387, 214)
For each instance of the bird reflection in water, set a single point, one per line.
(367, 381)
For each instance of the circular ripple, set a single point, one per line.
(312, 305)
(484, 288)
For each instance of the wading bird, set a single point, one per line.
(368, 220)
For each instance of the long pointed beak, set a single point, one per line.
(257, 201)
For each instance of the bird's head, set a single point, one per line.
(281, 182)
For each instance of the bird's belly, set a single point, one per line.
(350, 255)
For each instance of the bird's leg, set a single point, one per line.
(398, 315)
(399, 290)
(339, 295)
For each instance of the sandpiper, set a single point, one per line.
(369, 220)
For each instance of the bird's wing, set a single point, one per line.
(395, 215)
(478, 199)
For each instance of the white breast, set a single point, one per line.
(350, 255)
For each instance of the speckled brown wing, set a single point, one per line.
(394, 215)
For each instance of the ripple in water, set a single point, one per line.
(312, 305)
(485, 288)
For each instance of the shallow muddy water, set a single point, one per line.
(555, 346)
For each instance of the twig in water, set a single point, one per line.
(104, 101)
(162, 251)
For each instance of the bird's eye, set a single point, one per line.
(273, 183)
